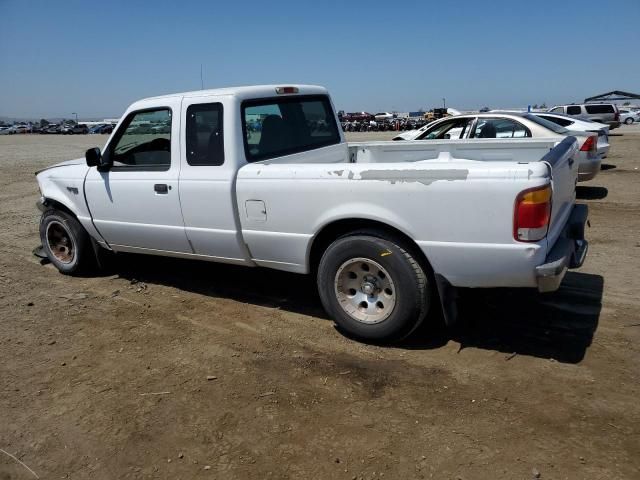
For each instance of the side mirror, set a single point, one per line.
(93, 157)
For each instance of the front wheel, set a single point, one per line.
(66, 242)
(373, 287)
(628, 121)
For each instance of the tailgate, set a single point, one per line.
(562, 160)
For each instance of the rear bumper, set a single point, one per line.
(588, 168)
(569, 251)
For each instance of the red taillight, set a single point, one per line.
(532, 214)
(589, 145)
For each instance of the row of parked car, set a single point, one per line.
(593, 137)
(62, 129)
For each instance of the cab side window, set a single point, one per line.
(205, 144)
(144, 141)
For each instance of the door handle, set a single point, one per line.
(162, 188)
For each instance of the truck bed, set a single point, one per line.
(455, 199)
(519, 150)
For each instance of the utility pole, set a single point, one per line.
(201, 81)
(74, 113)
(444, 103)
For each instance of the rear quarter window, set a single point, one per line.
(574, 110)
(563, 122)
(599, 108)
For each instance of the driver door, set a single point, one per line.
(135, 204)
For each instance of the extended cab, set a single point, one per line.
(262, 176)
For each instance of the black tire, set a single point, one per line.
(629, 121)
(411, 286)
(66, 242)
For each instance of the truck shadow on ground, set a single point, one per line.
(557, 325)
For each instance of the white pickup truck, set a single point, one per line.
(262, 176)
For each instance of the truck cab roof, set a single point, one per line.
(242, 92)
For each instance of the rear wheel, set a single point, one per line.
(373, 286)
(65, 242)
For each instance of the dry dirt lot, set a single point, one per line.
(161, 368)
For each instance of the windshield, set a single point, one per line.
(547, 124)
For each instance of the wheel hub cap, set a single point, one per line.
(365, 290)
(368, 288)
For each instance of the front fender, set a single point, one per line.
(64, 190)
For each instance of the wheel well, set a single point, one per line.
(54, 204)
(340, 228)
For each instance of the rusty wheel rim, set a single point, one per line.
(60, 242)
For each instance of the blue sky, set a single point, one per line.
(95, 58)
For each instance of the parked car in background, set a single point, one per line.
(577, 125)
(19, 129)
(629, 116)
(357, 117)
(371, 221)
(503, 125)
(383, 116)
(79, 129)
(596, 112)
(51, 129)
(101, 128)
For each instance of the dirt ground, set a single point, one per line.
(161, 368)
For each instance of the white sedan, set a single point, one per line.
(629, 116)
(576, 125)
(510, 125)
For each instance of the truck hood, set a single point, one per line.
(77, 161)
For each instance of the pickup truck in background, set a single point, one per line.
(262, 176)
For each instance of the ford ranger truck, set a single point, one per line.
(263, 177)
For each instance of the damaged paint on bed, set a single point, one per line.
(425, 177)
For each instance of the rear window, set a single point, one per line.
(546, 123)
(275, 127)
(563, 122)
(599, 108)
